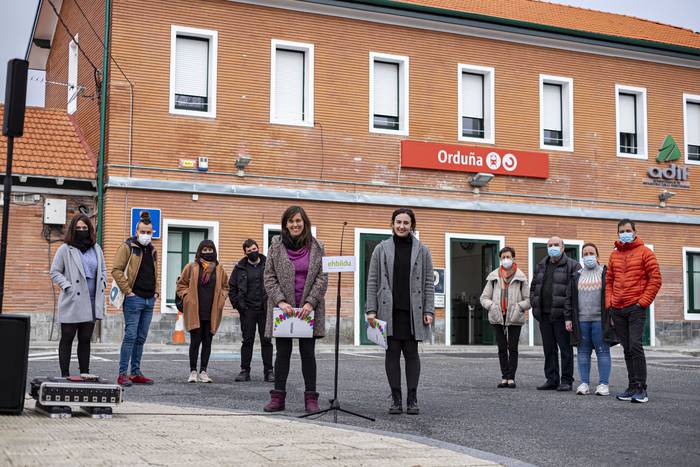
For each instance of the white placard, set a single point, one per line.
(439, 300)
(295, 326)
(338, 264)
(377, 334)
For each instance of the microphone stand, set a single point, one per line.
(335, 403)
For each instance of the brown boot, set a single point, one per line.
(311, 402)
(276, 403)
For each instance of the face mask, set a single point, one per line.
(507, 263)
(553, 251)
(208, 257)
(590, 261)
(253, 256)
(82, 234)
(626, 237)
(144, 239)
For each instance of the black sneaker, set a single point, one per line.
(627, 395)
(243, 376)
(640, 397)
(396, 404)
(269, 376)
(412, 403)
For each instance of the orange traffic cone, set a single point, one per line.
(178, 337)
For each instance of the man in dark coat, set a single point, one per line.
(551, 299)
(248, 296)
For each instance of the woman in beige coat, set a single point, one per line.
(203, 288)
(506, 297)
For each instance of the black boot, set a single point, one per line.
(396, 407)
(243, 376)
(412, 403)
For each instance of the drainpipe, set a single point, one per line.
(103, 125)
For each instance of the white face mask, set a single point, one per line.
(507, 263)
(144, 239)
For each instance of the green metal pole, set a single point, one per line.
(103, 125)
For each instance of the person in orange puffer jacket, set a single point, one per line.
(633, 279)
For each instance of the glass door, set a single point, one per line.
(368, 242)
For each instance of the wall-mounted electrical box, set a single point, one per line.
(55, 211)
(203, 164)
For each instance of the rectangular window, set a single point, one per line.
(473, 105)
(182, 247)
(72, 103)
(193, 72)
(631, 122)
(692, 299)
(691, 109)
(476, 103)
(556, 113)
(388, 94)
(291, 87)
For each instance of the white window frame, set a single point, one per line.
(489, 75)
(567, 112)
(501, 239)
(211, 226)
(212, 37)
(642, 130)
(403, 63)
(266, 232)
(308, 50)
(694, 99)
(688, 316)
(72, 98)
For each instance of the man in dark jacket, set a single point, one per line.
(551, 299)
(248, 296)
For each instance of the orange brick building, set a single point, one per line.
(500, 123)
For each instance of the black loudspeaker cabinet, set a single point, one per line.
(14, 355)
(15, 97)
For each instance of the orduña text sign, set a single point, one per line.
(338, 264)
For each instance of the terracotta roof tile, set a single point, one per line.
(52, 146)
(569, 17)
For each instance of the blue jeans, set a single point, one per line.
(592, 337)
(138, 312)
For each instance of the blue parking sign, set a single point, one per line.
(155, 219)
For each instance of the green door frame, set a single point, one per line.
(362, 238)
(185, 248)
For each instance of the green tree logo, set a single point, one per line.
(669, 150)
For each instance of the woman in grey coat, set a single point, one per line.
(294, 278)
(79, 269)
(400, 290)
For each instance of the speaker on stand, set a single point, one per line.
(14, 354)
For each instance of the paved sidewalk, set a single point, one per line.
(154, 434)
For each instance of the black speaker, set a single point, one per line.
(14, 354)
(15, 97)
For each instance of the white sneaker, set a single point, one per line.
(193, 377)
(602, 390)
(204, 377)
(583, 390)
(89, 377)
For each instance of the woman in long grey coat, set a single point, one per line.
(79, 269)
(294, 278)
(400, 291)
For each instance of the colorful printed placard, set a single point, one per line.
(377, 334)
(295, 326)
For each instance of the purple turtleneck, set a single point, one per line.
(300, 260)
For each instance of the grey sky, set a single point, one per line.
(17, 16)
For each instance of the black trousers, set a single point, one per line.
(629, 326)
(409, 347)
(307, 349)
(65, 345)
(200, 336)
(554, 334)
(249, 321)
(507, 338)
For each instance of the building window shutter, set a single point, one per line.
(693, 123)
(289, 85)
(472, 95)
(191, 73)
(386, 89)
(552, 107)
(628, 113)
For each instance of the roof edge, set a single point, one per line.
(437, 11)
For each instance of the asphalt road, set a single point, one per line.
(460, 404)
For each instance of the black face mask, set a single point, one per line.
(82, 235)
(208, 257)
(82, 240)
(253, 256)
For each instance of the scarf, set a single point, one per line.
(207, 270)
(506, 276)
(291, 243)
(82, 244)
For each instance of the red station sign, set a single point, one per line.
(436, 156)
